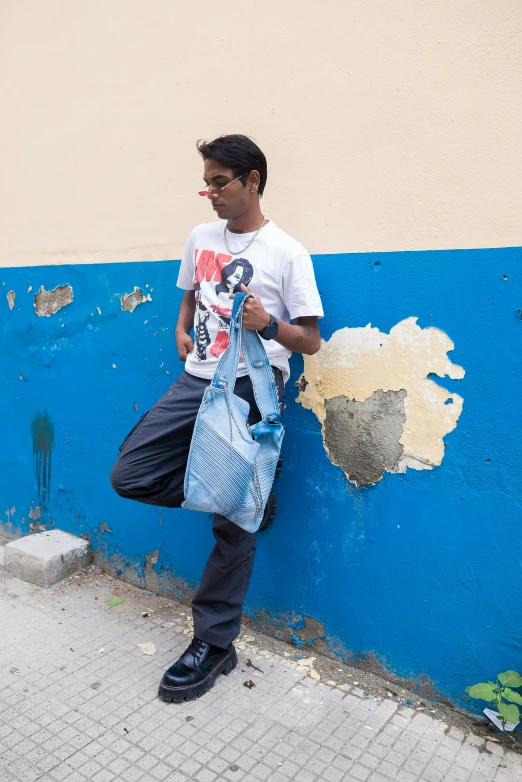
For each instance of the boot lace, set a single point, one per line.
(196, 647)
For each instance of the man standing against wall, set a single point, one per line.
(242, 251)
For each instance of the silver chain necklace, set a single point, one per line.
(244, 249)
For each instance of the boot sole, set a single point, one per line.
(194, 691)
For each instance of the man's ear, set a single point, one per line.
(253, 180)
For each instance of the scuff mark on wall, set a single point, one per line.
(388, 432)
(10, 296)
(47, 303)
(129, 301)
(42, 432)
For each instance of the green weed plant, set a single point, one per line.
(502, 695)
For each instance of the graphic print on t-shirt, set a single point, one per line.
(216, 278)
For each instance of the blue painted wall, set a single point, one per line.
(440, 596)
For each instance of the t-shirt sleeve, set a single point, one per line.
(186, 270)
(300, 293)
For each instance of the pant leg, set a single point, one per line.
(218, 603)
(151, 465)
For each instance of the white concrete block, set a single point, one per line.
(46, 557)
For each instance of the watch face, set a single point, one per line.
(270, 331)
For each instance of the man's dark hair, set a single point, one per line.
(240, 153)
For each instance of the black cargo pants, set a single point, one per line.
(151, 469)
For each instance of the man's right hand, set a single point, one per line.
(184, 344)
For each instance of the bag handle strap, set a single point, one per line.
(256, 361)
(226, 370)
(261, 375)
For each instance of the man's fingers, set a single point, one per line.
(244, 289)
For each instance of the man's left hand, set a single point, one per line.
(255, 317)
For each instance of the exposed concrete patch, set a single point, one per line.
(356, 363)
(34, 528)
(363, 438)
(47, 303)
(313, 630)
(129, 301)
(151, 577)
(10, 296)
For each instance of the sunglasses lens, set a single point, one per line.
(202, 192)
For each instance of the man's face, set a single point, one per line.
(231, 202)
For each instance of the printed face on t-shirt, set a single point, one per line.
(214, 281)
(235, 278)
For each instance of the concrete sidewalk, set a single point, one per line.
(78, 701)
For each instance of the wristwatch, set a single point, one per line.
(270, 331)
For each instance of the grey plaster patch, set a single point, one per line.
(11, 299)
(47, 303)
(363, 438)
(129, 301)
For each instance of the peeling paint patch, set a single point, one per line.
(34, 513)
(11, 299)
(129, 301)
(47, 303)
(378, 408)
(151, 576)
(312, 630)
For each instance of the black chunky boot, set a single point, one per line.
(196, 671)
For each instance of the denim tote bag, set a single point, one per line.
(231, 465)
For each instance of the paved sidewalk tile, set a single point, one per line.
(78, 703)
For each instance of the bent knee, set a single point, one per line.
(121, 481)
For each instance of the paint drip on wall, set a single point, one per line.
(42, 433)
(378, 408)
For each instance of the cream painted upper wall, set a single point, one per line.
(387, 125)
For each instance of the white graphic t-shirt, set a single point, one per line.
(275, 267)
